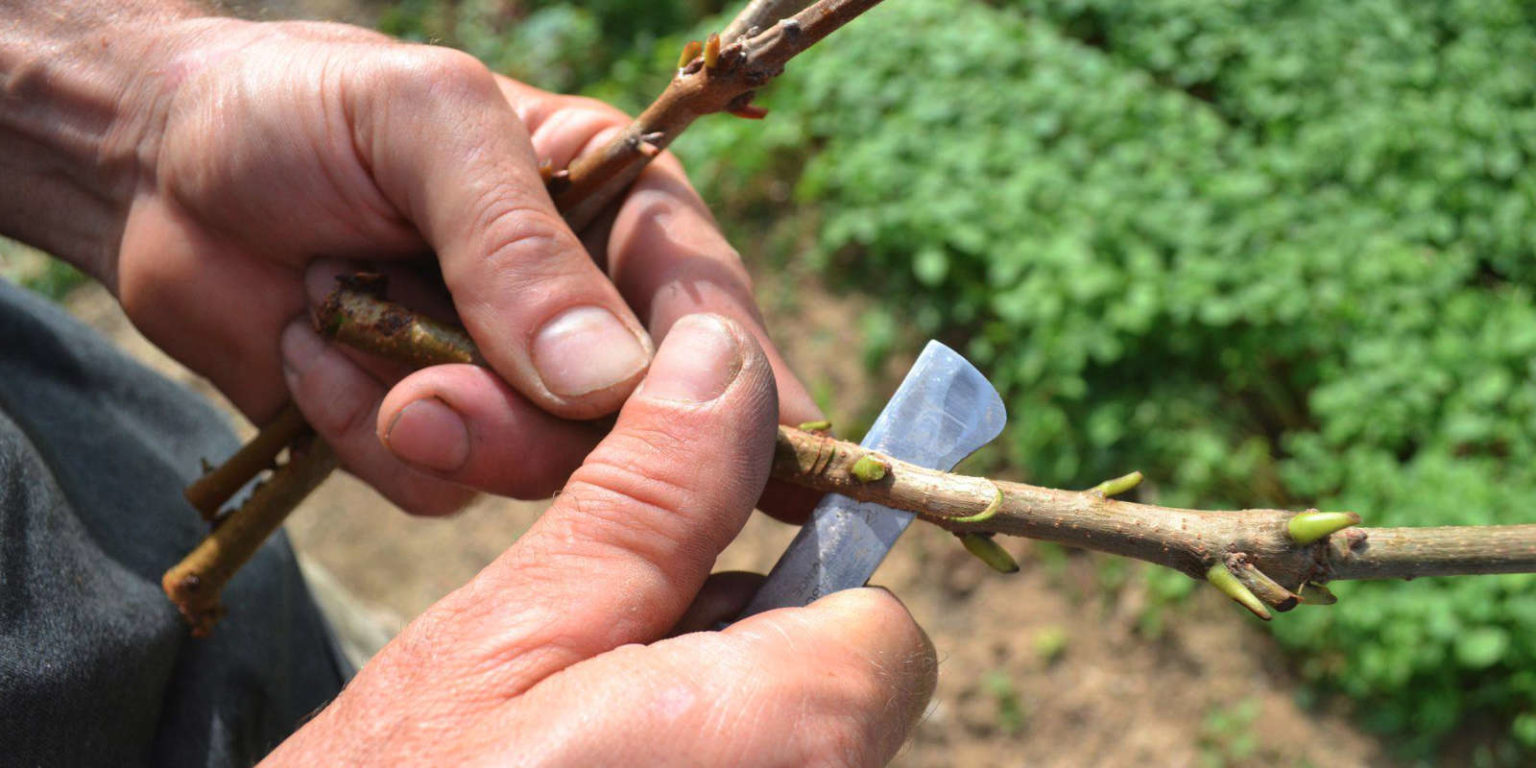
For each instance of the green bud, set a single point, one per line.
(1307, 527)
(868, 469)
(990, 552)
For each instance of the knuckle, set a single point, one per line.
(438, 74)
(523, 241)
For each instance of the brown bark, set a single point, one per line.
(195, 583)
(700, 88)
(221, 483)
(1255, 544)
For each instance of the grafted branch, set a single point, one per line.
(1272, 552)
(713, 78)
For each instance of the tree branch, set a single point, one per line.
(722, 77)
(758, 15)
(221, 483)
(1271, 553)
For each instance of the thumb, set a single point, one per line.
(448, 151)
(627, 545)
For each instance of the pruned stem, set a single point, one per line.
(195, 584)
(358, 317)
(221, 483)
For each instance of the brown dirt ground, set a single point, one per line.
(1043, 668)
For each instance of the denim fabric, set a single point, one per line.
(96, 667)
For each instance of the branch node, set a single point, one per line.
(1312, 525)
(989, 551)
(1258, 582)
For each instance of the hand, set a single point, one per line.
(558, 652)
(275, 156)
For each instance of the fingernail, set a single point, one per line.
(698, 360)
(429, 434)
(300, 346)
(586, 349)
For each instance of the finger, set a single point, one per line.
(460, 423)
(722, 598)
(619, 556)
(341, 402)
(666, 252)
(545, 317)
(841, 682)
(669, 259)
(463, 423)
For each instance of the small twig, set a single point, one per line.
(723, 78)
(195, 584)
(221, 483)
(759, 15)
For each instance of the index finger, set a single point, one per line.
(663, 249)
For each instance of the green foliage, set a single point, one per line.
(559, 46)
(37, 271)
(1226, 735)
(1010, 711)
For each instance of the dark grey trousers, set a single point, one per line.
(96, 667)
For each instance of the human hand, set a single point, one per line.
(567, 649)
(274, 156)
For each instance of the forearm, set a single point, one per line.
(76, 109)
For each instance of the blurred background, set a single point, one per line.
(1269, 253)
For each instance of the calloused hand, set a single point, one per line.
(273, 156)
(569, 649)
